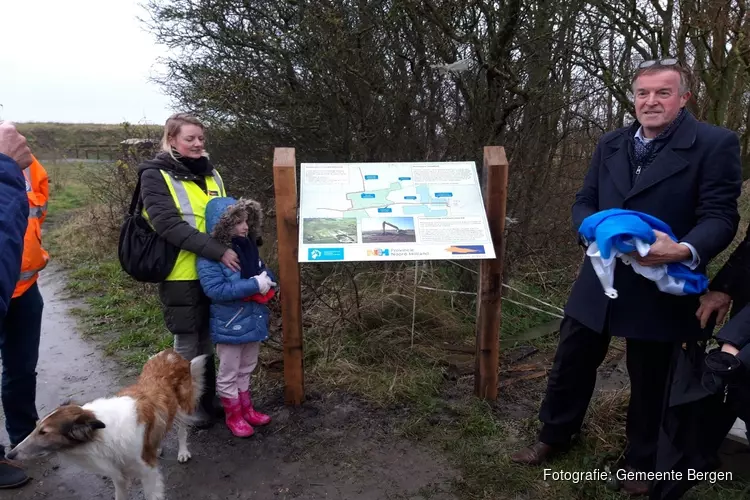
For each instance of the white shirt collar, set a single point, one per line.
(639, 135)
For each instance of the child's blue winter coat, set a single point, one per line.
(232, 320)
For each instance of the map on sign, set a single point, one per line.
(392, 211)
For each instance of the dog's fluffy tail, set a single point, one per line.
(197, 372)
(185, 416)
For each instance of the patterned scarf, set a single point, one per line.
(644, 152)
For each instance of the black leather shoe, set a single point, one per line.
(634, 487)
(12, 476)
(535, 454)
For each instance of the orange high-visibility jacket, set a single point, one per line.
(35, 258)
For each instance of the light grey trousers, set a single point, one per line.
(190, 346)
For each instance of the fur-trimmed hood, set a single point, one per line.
(222, 214)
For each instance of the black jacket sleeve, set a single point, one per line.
(167, 222)
(736, 331)
(734, 276)
(719, 187)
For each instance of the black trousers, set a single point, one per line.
(20, 334)
(573, 377)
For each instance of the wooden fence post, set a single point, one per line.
(287, 227)
(489, 313)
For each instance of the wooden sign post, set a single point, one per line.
(287, 224)
(495, 177)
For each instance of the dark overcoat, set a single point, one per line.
(692, 185)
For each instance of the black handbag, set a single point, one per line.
(143, 254)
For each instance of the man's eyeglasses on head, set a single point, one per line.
(668, 61)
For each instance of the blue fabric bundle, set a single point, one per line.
(616, 233)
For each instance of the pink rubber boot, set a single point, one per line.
(233, 418)
(251, 416)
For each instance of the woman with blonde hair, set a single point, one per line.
(176, 186)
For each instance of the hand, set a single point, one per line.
(13, 144)
(713, 302)
(264, 282)
(231, 260)
(663, 251)
(730, 349)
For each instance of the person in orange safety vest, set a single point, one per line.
(20, 330)
(35, 258)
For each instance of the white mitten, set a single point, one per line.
(264, 282)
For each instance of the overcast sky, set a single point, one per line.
(80, 61)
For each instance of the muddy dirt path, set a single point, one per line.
(332, 448)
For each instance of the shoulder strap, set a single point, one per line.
(136, 197)
(136, 204)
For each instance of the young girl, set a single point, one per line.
(239, 316)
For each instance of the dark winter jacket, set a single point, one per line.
(161, 208)
(14, 217)
(185, 306)
(232, 319)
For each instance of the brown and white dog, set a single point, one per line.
(120, 436)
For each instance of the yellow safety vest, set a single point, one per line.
(191, 202)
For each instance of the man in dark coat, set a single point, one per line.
(686, 173)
